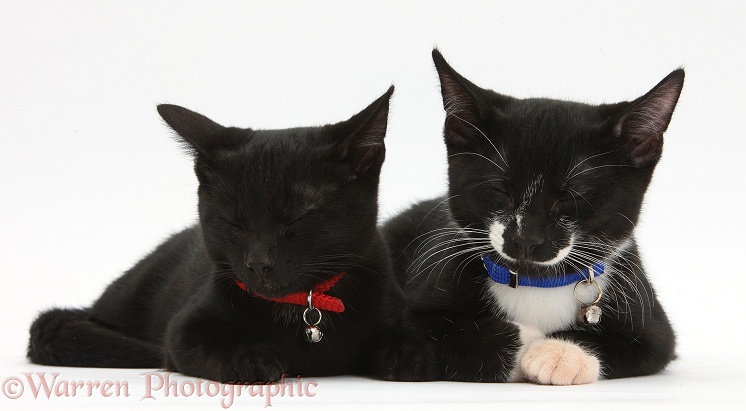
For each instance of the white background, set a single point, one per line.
(91, 180)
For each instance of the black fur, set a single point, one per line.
(281, 210)
(593, 165)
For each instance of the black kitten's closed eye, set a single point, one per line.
(234, 225)
(301, 217)
(295, 221)
(236, 230)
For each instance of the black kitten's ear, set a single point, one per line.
(363, 145)
(198, 134)
(461, 101)
(646, 119)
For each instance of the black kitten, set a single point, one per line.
(542, 194)
(282, 213)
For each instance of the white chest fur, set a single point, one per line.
(548, 309)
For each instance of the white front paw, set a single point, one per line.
(559, 362)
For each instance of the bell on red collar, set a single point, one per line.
(313, 331)
(313, 334)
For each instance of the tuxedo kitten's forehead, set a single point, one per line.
(534, 185)
(555, 155)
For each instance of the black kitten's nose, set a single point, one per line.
(258, 267)
(526, 244)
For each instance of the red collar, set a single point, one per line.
(320, 300)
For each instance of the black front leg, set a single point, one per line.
(209, 347)
(626, 353)
(473, 349)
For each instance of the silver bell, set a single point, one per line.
(590, 315)
(313, 334)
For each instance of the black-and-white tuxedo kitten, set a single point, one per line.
(286, 271)
(528, 268)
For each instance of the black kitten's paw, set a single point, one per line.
(406, 362)
(253, 364)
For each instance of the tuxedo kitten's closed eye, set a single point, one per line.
(536, 233)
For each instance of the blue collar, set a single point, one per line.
(501, 274)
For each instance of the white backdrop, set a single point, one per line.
(90, 179)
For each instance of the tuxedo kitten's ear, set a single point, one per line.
(646, 119)
(461, 101)
(198, 134)
(363, 145)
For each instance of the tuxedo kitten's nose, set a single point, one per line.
(527, 244)
(258, 267)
